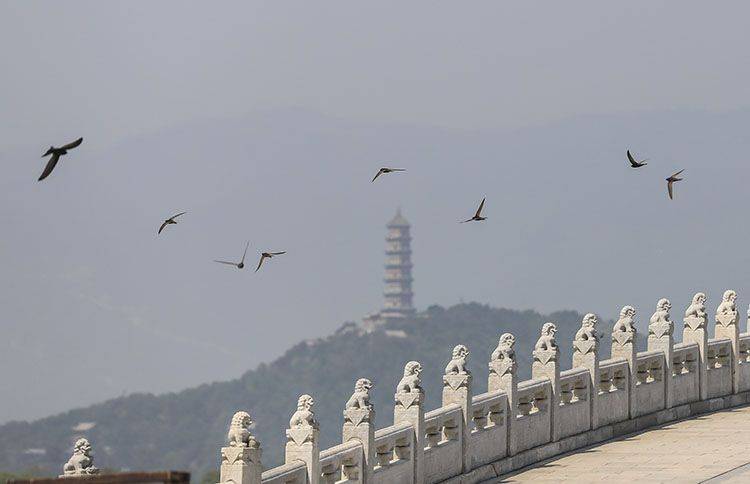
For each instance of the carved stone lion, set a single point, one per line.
(304, 416)
(457, 365)
(660, 324)
(239, 431)
(697, 308)
(361, 396)
(410, 382)
(80, 463)
(504, 350)
(727, 305)
(662, 312)
(625, 323)
(588, 328)
(546, 340)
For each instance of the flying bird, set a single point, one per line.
(477, 216)
(267, 255)
(239, 265)
(635, 163)
(56, 154)
(170, 221)
(671, 180)
(386, 170)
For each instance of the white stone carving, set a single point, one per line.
(726, 313)
(410, 383)
(624, 330)
(660, 324)
(457, 365)
(546, 349)
(81, 463)
(503, 359)
(586, 339)
(304, 417)
(546, 340)
(360, 399)
(239, 431)
(695, 314)
(358, 408)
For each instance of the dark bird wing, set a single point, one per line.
(72, 145)
(467, 220)
(669, 187)
(245, 253)
(226, 262)
(380, 172)
(175, 216)
(164, 224)
(677, 174)
(633, 163)
(278, 253)
(50, 166)
(262, 258)
(479, 210)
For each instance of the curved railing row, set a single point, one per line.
(475, 437)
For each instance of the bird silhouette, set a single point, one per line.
(671, 180)
(170, 221)
(634, 163)
(239, 265)
(386, 170)
(477, 216)
(267, 255)
(56, 154)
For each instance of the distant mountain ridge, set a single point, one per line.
(184, 430)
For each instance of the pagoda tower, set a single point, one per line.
(398, 292)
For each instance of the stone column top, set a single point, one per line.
(624, 330)
(695, 314)
(546, 348)
(503, 359)
(660, 323)
(726, 313)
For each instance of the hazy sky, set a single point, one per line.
(266, 120)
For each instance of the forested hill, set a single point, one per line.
(185, 430)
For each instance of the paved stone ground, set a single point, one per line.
(709, 448)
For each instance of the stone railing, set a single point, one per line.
(471, 438)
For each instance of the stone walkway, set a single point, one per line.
(708, 448)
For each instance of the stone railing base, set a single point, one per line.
(544, 452)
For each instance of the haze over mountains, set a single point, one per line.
(96, 305)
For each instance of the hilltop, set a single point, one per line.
(184, 430)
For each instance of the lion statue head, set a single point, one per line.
(663, 305)
(699, 298)
(460, 351)
(590, 320)
(363, 385)
(82, 447)
(507, 340)
(412, 368)
(305, 402)
(627, 312)
(241, 420)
